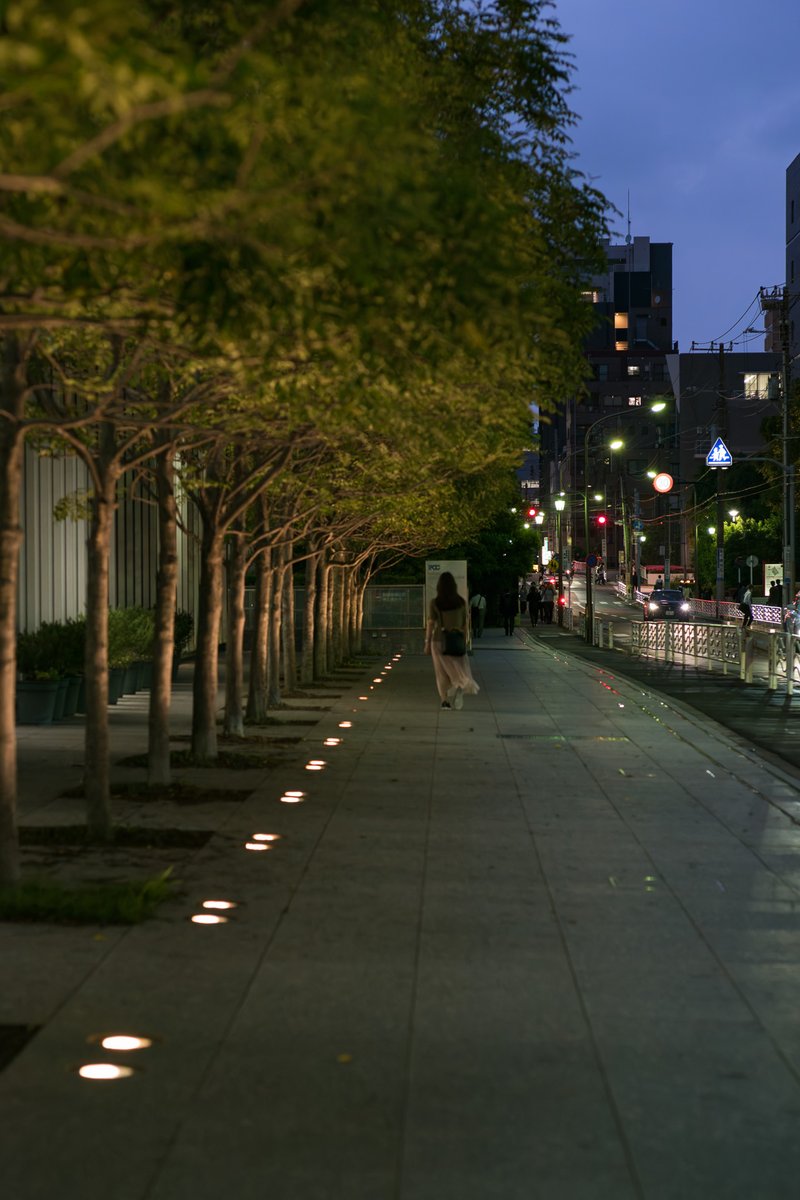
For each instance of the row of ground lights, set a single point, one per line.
(214, 913)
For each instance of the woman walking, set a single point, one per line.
(447, 617)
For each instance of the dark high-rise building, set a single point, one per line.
(627, 370)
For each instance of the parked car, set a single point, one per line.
(666, 602)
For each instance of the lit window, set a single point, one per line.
(634, 401)
(634, 369)
(756, 385)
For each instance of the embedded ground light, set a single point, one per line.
(222, 905)
(104, 1071)
(209, 918)
(345, 724)
(293, 797)
(125, 1041)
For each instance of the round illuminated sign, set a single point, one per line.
(663, 482)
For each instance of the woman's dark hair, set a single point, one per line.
(447, 597)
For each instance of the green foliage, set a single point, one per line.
(130, 635)
(90, 904)
(503, 550)
(743, 537)
(184, 630)
(54, 649)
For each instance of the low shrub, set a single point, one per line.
(92, 904)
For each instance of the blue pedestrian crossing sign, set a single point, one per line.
(719, 455)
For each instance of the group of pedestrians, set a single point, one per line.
(537, 597)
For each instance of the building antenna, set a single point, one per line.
(628, 235)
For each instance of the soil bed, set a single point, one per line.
(226, 759)
(175, 793)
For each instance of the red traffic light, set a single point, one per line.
(562, 600)
(532, 511)
(602, 519)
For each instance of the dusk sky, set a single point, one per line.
(693, 105)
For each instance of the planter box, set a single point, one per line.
(74, 683)
(116, 680)
(130, 681)
(36, 701)
(61, 700)
(145, 673)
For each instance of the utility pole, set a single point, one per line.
(788, 552)
(720, 588)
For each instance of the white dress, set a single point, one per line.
(450, 671)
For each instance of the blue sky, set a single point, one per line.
(693, 105)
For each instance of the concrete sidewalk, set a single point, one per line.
(545, 947)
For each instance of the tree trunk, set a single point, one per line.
(11, 450)
(234, 654)
(209, 615)
(361, 589)
(96, 768)
(158, 760)
(330, 658)
(288, 632)
(347, 624)
(274, 671)
(309, 609)
(337, 613)
(321, 620)
(259, 651)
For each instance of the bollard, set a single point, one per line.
(789, 664)
(772, 662)
(611, 635)
(742, 654)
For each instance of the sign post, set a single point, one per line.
(752, 560)
(720, 457)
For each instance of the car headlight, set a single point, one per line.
(653, 607)
(684, 607)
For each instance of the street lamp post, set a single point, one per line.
(559, 503)
(656, 407)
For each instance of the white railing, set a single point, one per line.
(712, 643)
(762, 656)
(763, 614)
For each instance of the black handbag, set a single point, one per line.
(454, 644)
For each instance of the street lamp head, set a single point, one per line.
(712, 529)
(539, 518)
(659, 406)
(617, 444)
(598, 496)
(733, 513)
(560, 503)
(652, 474)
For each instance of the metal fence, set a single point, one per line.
(670, 640)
